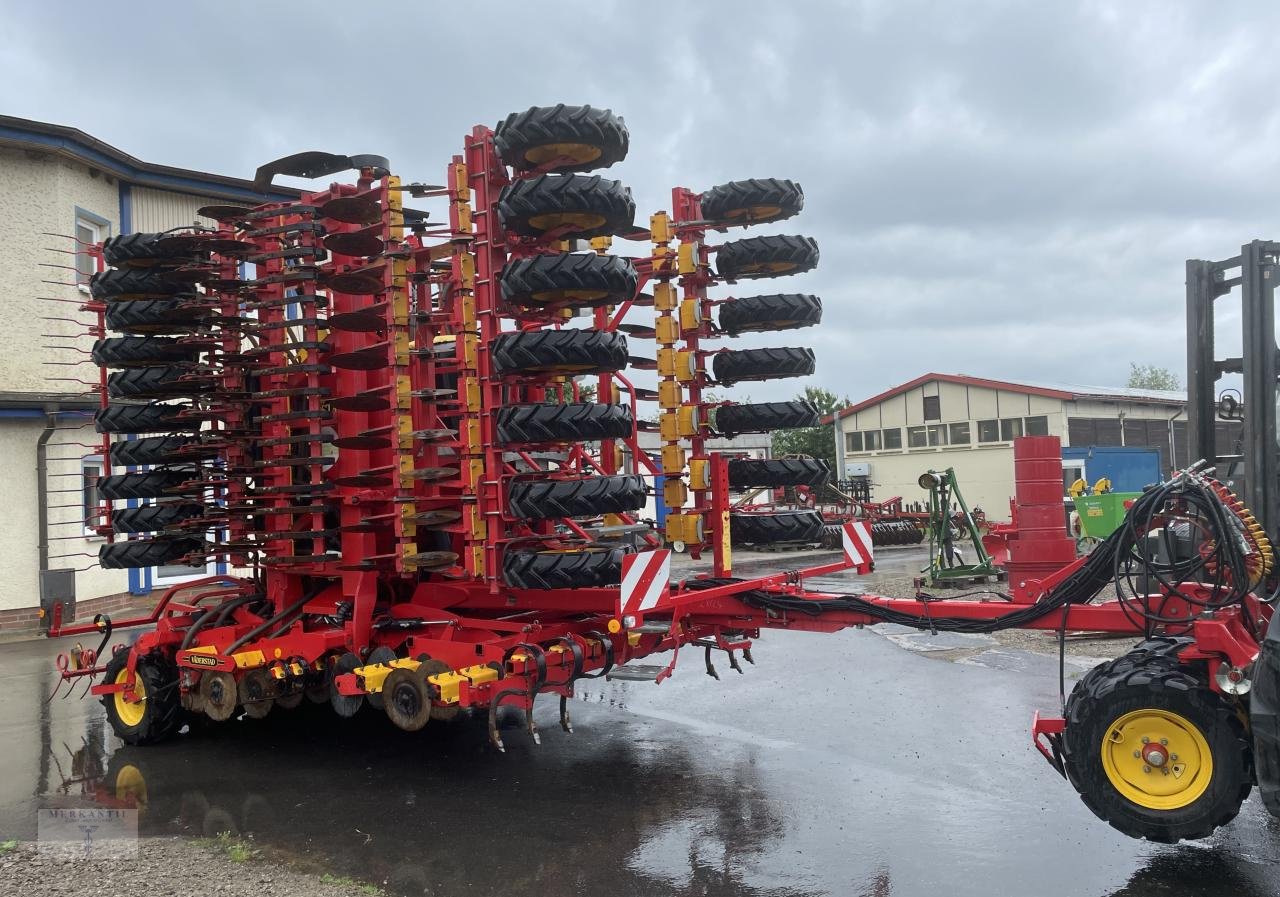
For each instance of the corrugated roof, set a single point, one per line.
(1063, 391)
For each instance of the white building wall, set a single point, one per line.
(153, 211)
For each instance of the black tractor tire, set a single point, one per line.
(586, 497)
(1152, 679)
(155, 417)
(766, 257)
(146, 552)
(1264, 719)
(780, 526)
(762, 364)
(559, 352)
(586, 569)
(154, 518)
(136, 283)
(145, 484)
(585, 136)
(153, 316)
(162, 705)
(753, 201)
(763, 417)
(142, 250)
(569, 280)
(573, 205)
(141, 351)
(169, 381)
(779, 311)
(573, 422)
(155, 450)
(747, 473)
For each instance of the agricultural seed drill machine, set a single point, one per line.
(377, 419)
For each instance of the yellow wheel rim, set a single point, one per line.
(546, 296)
(131, 784)
(578, 152)
(1157, 759)
(130, 712)
(553, 220)
(769, 267)
(754, 213)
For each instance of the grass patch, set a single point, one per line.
(6, 846)
(234, 848)
(347, 881)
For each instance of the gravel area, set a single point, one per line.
(167, 866)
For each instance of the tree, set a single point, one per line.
(1148, 376)
(817, 442)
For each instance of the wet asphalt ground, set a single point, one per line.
(844, 765)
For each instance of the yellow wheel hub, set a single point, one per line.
(554, 220)
(770, 267)
(546, 296)
(1157, 759)
(578, 152)
(755, 213)
(130, 712)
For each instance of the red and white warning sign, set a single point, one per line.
(856, 539)
(646, 581)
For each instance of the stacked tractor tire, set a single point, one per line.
(689, 369)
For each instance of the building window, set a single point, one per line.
(871, 440)
(988, 431)
(89, 231)
(916, 437)
(937, 434)
(853, 442)
(960, 434)
(892, 438)
(90, 471)
(932, 408)
(1010, 428)
(1036, 426)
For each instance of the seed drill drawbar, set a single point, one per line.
(378, 419)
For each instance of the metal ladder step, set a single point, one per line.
(634, 673)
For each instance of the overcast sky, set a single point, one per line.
(1001, 189)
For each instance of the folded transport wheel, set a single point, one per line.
(146, 484)
(130, 283)
(738, 365)
(168, 381)
(569, 279)
(257, 692)
(780, 526)
(570, 422)
(559, 352)
(380, 654)
(406, 698)
(585, 497)
(157, 712)
(586, 568)
(158, 450)
(766, 257)
(154, 316)
(154, 518)
(752, 201)
(153, 417)
(1264, 718)
(155, 552)
(571, 205)
(572, 138)
(145, 250)
(777, 311)
(749, 473)
(219, 695)
(140, 351)
(1153, 750)
(763, 417)
(346, 706)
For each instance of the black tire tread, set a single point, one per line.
(587, 497)
(159, 382)
(570, 422)
(136, 283)
(746, 473)
(612, 275)
(747, 528)
(156, 552)
(154, 518)
(140, 351)
(153, 316)
(153, 450)
(538, 126)
(159, 676)
(587, 569)
(141, 247)
(777, 311)
(153, 417)
(727, 202)
(737, 365)
(524, 200)
(145, 484)
(764, 417)
(737, 259)
(586, 351)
